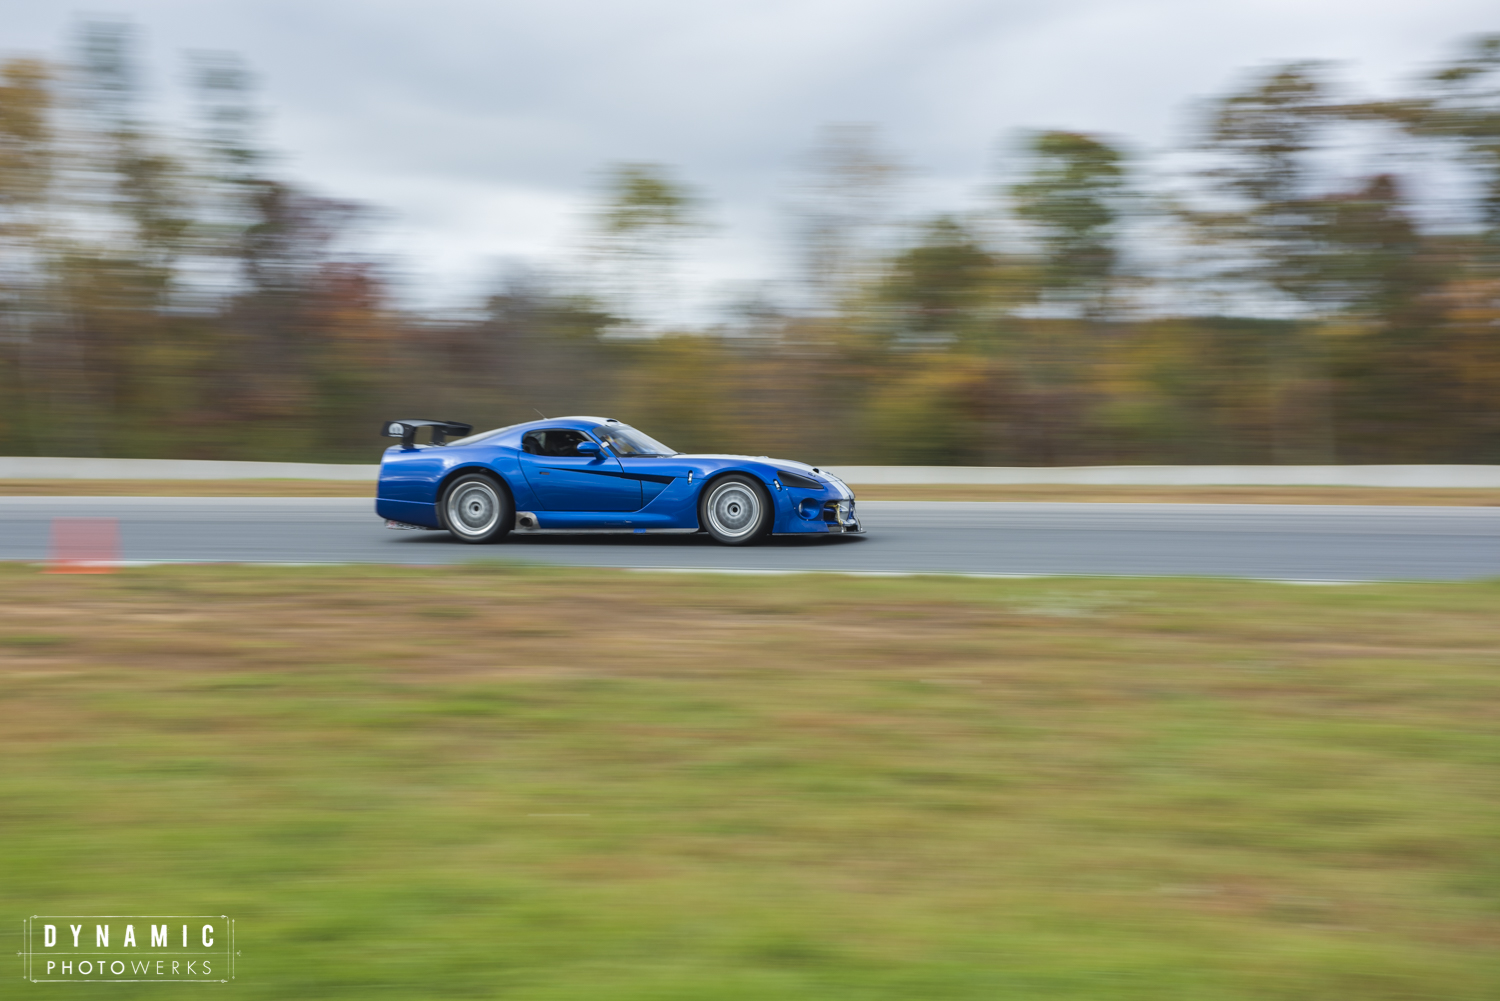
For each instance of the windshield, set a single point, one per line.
(628, 441)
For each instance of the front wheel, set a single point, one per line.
(735, 511)
(476, 509)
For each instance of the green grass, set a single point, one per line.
(522, 783)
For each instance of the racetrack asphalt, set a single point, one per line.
(1283, 542)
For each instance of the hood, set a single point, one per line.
(791, 464)
(838, 486)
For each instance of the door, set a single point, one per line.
(566, 481)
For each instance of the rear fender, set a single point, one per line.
(455, 473)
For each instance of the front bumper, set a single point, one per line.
(814, 515)
(840, 518)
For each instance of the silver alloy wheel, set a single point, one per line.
(473, 508)
(733, 509)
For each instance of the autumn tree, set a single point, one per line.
(1268, 224)
(941, 290)
(842, 210)
(1459, 107)
(1071, 199)
(27, 179)
(643, 221)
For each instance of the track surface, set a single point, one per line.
(1251, 540)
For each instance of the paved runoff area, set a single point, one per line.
(1284, 542)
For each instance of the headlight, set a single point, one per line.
(798, 481)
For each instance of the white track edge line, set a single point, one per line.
(741, 571)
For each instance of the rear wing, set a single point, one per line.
(407, 431)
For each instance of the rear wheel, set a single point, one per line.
(476, 509)
(735, 511)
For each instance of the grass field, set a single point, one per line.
(1139, 495)
(488, 781)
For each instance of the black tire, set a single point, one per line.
(736, 511)
(476, 509)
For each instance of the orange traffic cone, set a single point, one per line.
(84, 545)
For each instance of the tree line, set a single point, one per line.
(1313, 276)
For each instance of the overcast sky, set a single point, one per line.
(481, 125)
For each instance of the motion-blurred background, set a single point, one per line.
(843, 233)
(846, 231)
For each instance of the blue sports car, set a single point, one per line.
(594, 474)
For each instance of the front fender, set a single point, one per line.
(783, 508)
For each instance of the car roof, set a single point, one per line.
(574, 421)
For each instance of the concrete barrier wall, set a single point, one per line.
(26, 467)
(1180, 476)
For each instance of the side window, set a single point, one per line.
(553, 442)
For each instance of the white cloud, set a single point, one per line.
(481, 125)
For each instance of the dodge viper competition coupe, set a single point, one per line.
(593, 474)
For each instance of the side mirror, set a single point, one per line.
(589, 448)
